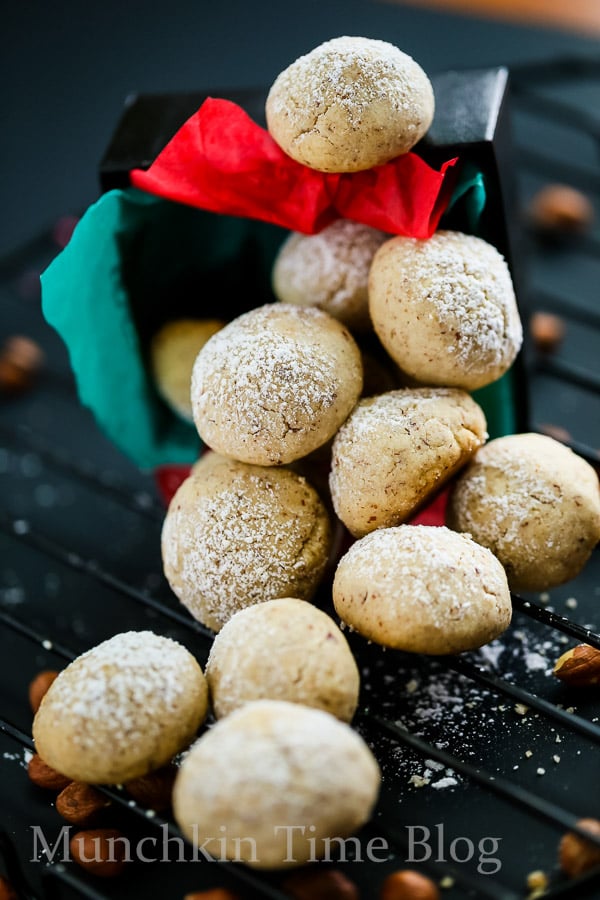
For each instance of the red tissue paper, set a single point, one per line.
(222, 161)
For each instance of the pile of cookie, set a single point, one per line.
(248, 539)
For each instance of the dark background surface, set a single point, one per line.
(66, 68)
(67, 71)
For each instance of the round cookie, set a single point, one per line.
(350, 104)
(396, 449)
(329, 270)
(272, 780)
(445, 309)
(122, 709)
(275, 384)
(422, 588)
(238, 535)
(173, 351)
(283, 650)
(535, 504)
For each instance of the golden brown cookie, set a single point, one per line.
(329, 270)
(445, 309)
(236, 535)
(422, 588)
(350, 104)
(275, 384)
(283, 650)
(535, 504)
(122, 709)
(396, 449)
(273, 780)
(173, 352)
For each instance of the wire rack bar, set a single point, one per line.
(553, 620)
(541, 164)
(568, 371)
(495, 784)
(551, 108)
(500, 686)
(82, 473)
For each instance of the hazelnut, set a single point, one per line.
(81, 804)
(406, 884)
(39, 686)
(103, 851)
(20, 360)
(320, 884)
(559, 208)
(575, 854)
(547, 331)
(7, 891)
(579, 666)
(154, 790)
(213, 894)
(44, 776)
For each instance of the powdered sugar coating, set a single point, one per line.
(283, 649)
(445, 309)
(350, 104)
(275, 384)
(329, 270)
(534, 503)
(272, 765)
(423, 589)
(396, 449)
(243, 534)
(122, 709)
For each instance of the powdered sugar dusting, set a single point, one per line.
(272, 377)
(127, 684)
(329, 270)
(255, 535)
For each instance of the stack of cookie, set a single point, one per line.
(247, 539)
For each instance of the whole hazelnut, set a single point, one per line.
(45, 776)
(212, 894)
(7, 891)
(81, 804)
(153, 790)
(20, 361)
(558, 208)
(39, 686)
(547, 331)
(576, 855)
(406, 884)
(320, 884)
(102, 851)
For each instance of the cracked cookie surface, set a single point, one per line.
(396, 449)
(534, 503)
(350, 104)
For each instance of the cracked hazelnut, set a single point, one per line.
(44, 776)
(579, 666)
(560, 208)
(320, 884)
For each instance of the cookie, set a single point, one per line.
(329, 270)
(445, 309)
(283, 650)
(237, 535)
(173, 351)
(273, 780)
(396, 449)
(350, 104)
(122, 709)
(535, 504)
(423, 589)
(275, 384)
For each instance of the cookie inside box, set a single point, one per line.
(138, 261)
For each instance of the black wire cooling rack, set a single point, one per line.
(473, 748)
